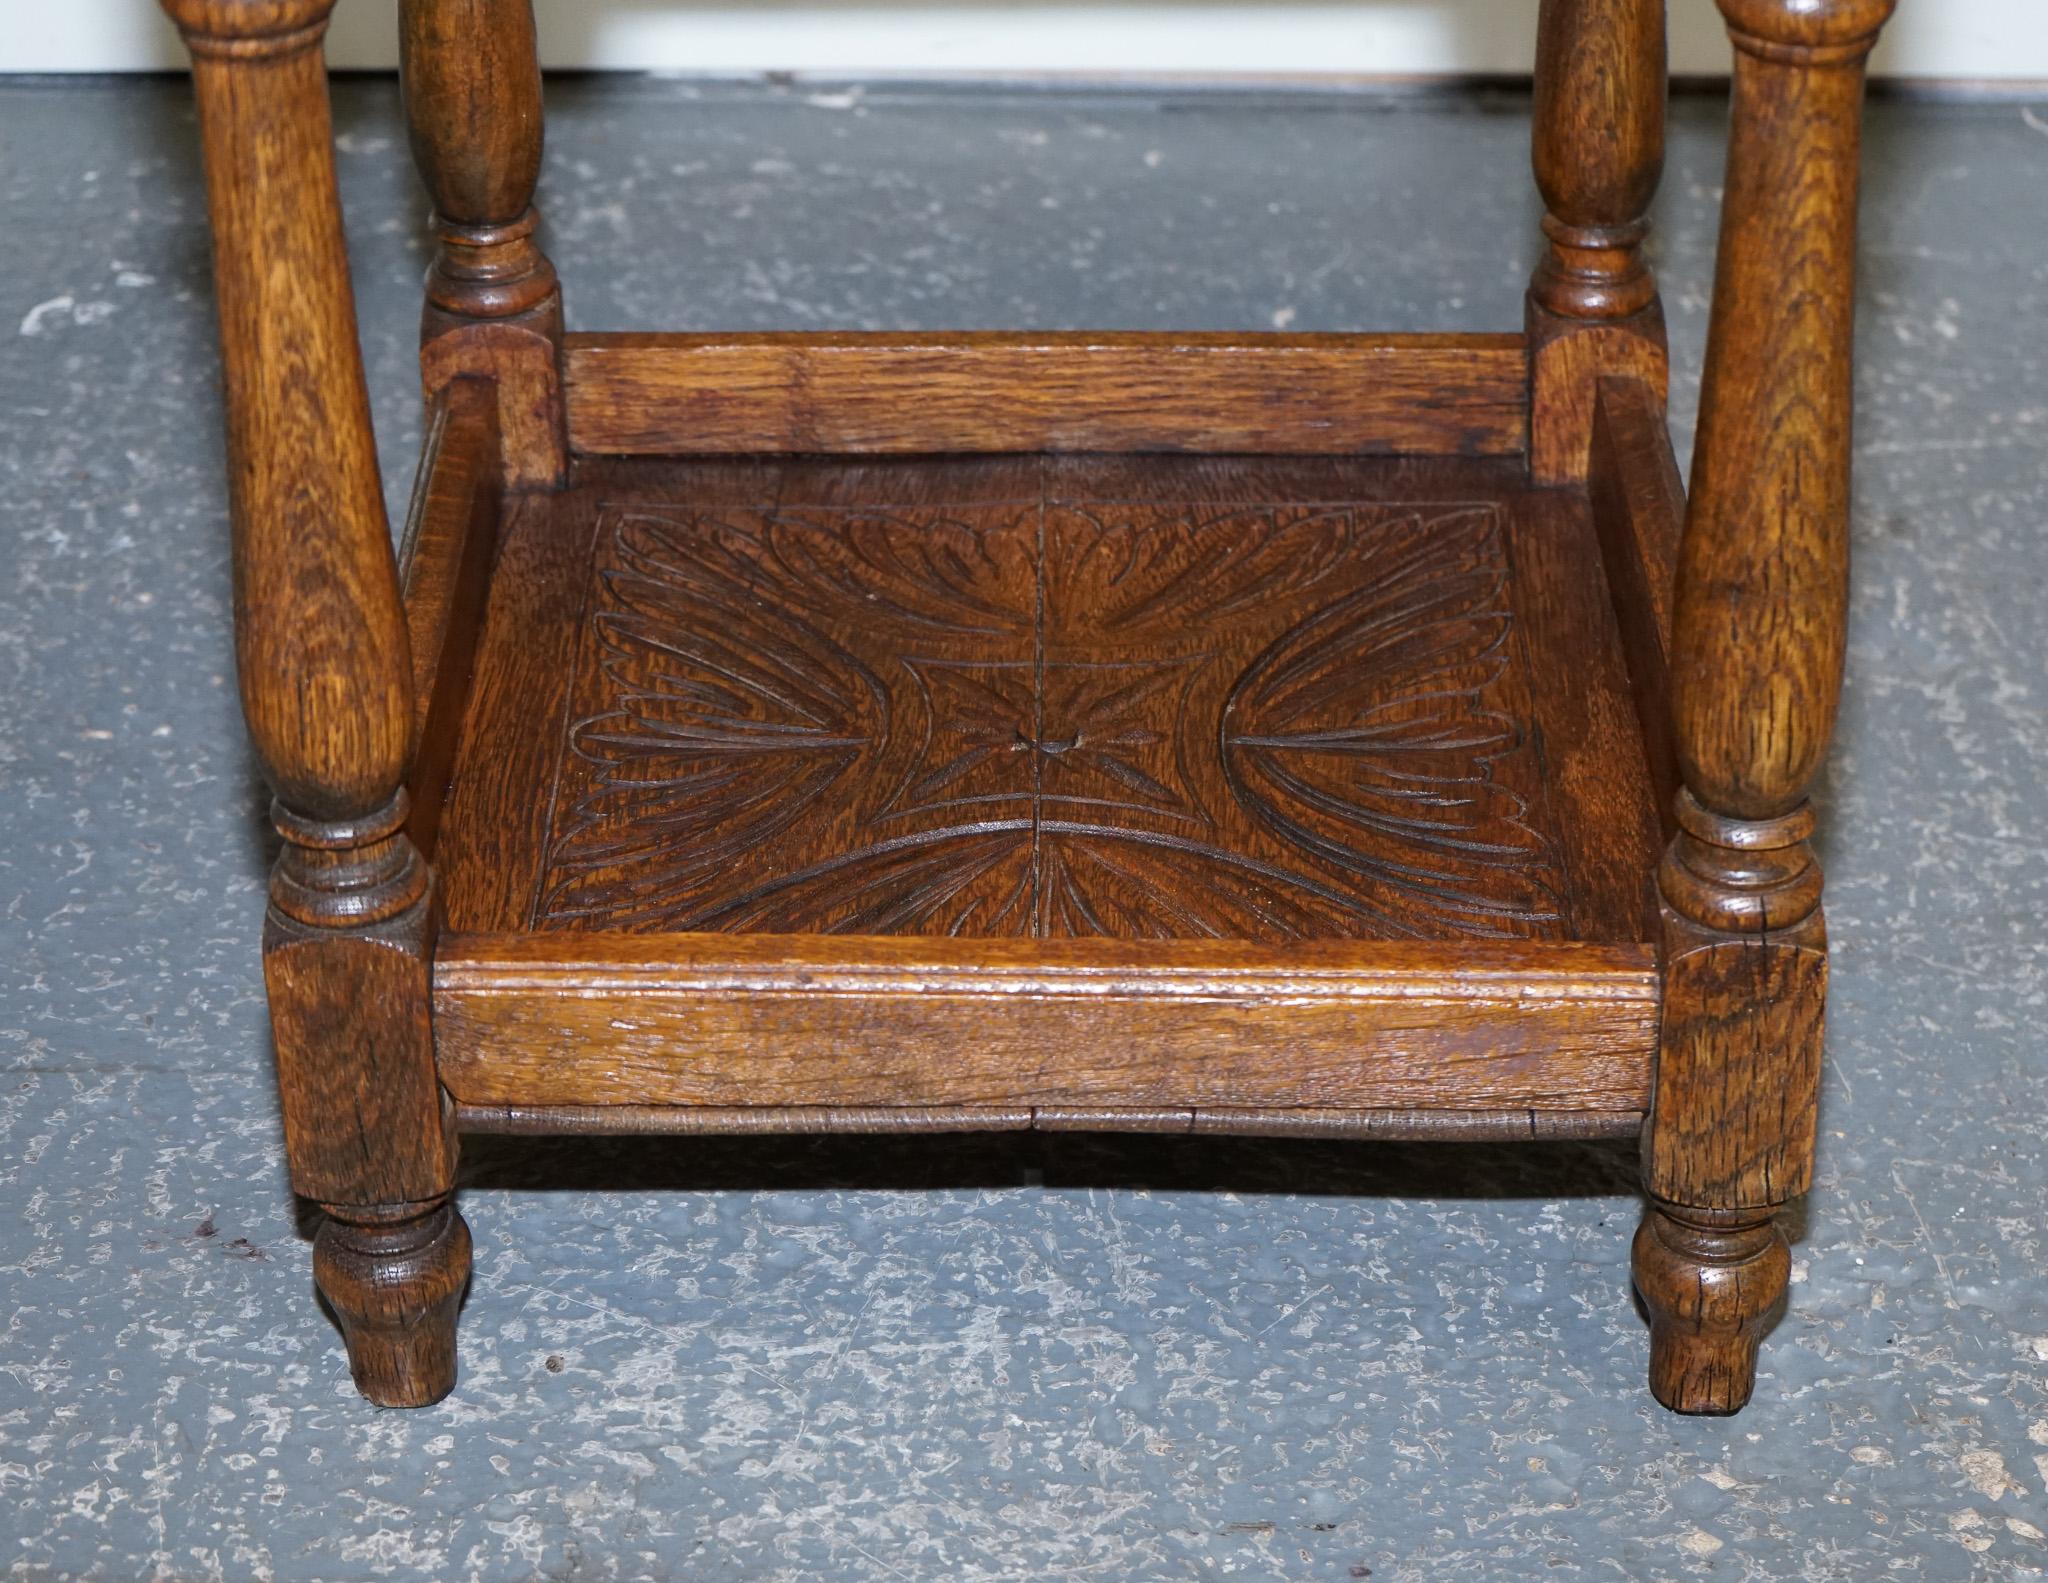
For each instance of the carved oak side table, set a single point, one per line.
(1355, 736)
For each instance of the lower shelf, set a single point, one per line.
(1199, 793)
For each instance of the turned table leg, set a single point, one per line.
(323, 668)
(494, 307)
(1598, 154)
(1758, 638)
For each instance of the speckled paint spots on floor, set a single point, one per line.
(998, 1359)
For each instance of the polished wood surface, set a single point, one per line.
(1598, 152)
(321, 647)
(471, 76)
(1267, 734)
(1453, 395)
(451, 536)
(784, 1021)
(1134, 698)
(1638, 506)
(1756, 670)
(1713, 1282)
(515, 726)
(322, 655)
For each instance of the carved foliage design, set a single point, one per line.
(1270, 722)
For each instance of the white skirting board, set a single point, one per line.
(1949, 40)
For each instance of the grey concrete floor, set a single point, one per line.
(1014, 1359)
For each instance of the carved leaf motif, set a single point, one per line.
(1104, 882)
(722, 734)
(972, 880)
(927, 576)
(1363, 737)
(1272, 723)
(1107, 576)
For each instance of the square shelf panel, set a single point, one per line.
(1144, 698)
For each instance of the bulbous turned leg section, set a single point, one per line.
(1713, 1281)
(396, 1279)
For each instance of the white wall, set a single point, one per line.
(1929, 38)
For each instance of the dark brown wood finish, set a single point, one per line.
(1583, 731)
(1599, 152)
(1170, 699)
(1453, 395)
(1756, 669)
(494, 307)
(1247, 734)
(397, 1280)
(322, 655)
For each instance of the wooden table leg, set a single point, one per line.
(1762, 603)
(325, 683)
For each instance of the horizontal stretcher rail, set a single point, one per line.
(678, 395)
(569, 1019)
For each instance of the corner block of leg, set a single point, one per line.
(1567, 360)
(522, 355)
(395, 1279)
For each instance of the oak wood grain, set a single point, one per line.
(1568, 358)
(470, 70)
(1302, 783)
(1638, 508)
(1756, 660)
(353, 1041)
(743, 1020)
(1598, 153)
(1583, 728)
(445, 565)
(395, 1279)
(1739, 1065)
(1462, 395)
(326, 677)
(1713, 1282)
(320, 643)
(1140, 697)
(1764, 568)
(501, 799)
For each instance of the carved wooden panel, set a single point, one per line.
(1042, 718)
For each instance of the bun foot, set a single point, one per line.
(395, 1280)
(1713, 1281)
